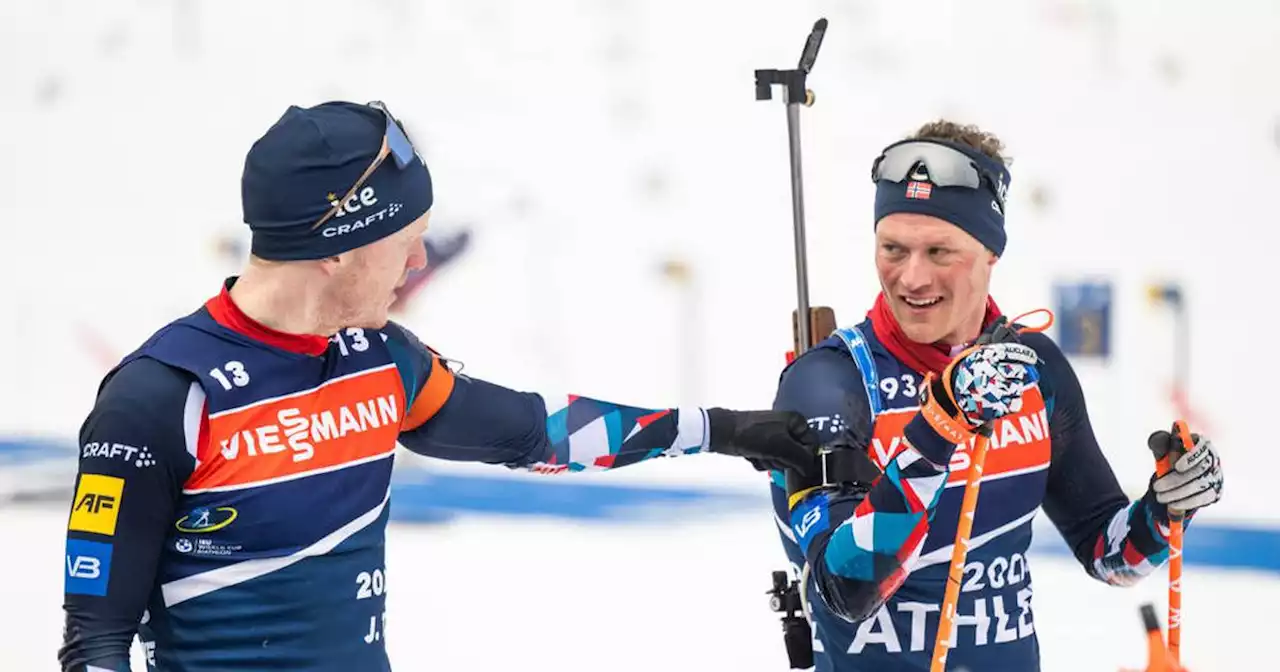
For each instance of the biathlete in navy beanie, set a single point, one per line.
(233, 494)
(906, 392)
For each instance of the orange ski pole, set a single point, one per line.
(964, 527)
(1163, 465)
(958, 552)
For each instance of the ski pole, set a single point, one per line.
(964, 529)
(964, 525)
(1164, 463)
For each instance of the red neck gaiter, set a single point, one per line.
(224, 311)
(922, 357)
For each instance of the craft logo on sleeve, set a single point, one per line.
(88, 567)
(105, 450)
(97, 504)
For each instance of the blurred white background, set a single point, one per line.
(589, 142)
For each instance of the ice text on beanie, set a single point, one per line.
(366, 198)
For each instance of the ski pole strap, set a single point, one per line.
(940, 411)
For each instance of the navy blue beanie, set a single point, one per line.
(296, 172)
(976, 211)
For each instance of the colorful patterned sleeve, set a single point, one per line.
(867, 552)
(453, 416)
(1117, 541)
(859, 543)
(484, 422)
(1134, 543)
(584, 434)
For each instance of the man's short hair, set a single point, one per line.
(967, 134)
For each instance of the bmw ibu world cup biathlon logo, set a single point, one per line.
(205, 519)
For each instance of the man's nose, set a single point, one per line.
(917, 273)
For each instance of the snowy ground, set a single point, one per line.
(502, 594)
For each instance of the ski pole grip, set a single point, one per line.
(1166, 456)
(1184, 433)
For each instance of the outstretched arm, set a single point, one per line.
(484, 422)
(456, 417)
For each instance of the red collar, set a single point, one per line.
(922, 357)
(225, 312)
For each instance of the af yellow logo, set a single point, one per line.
(97, 504)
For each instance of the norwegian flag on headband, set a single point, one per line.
(919, 190)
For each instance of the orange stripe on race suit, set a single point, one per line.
(432, 396)
(347, 421)
(1018, 442)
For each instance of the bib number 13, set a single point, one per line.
(232, 374)
(358, 341)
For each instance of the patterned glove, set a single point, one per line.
(983, 383)
(988, 382)
(1195, 480)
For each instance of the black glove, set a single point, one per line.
(767, 439)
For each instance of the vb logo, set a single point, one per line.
(94, 503)
(811, 517)
(88, 567)
(84, 567)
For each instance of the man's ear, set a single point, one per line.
(330, 265)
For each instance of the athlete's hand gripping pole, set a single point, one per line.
(959, 411)
(1167, 454)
